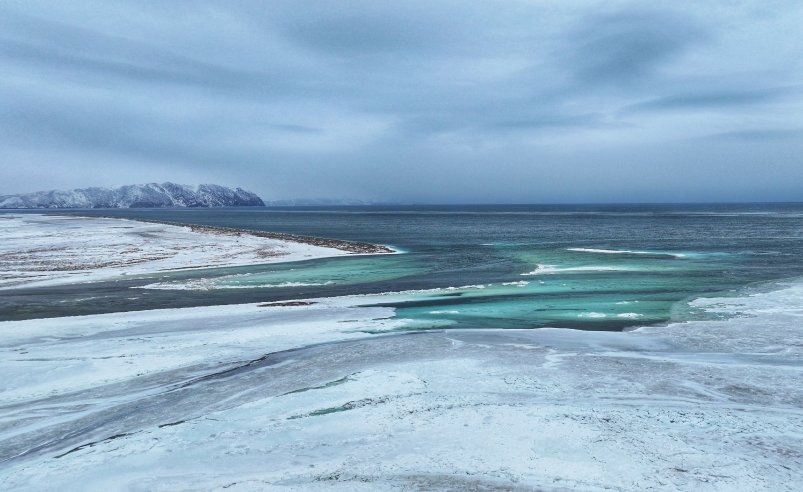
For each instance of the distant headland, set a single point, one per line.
(150, 195)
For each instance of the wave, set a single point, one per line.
(553, 269)
(592, 315)
(212, 285)
(598, 315)
(627, 252)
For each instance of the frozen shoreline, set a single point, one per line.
(47, 250)
(326, 392)
(245, 397)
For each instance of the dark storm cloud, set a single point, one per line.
(420, 101)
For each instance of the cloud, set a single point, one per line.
(758, 135)
(51, 47)
(426, 101)
(714, 99)
(631, 44)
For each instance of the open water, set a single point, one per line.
(585, 267)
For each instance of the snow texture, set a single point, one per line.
(39, 250)
(342, 394)
(136, 196)
(323, 395)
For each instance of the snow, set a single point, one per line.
(141, 195)
(256, 397)
(40, 250)
(46, 357)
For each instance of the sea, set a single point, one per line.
(585, 267)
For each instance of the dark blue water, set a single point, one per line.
(587, 267)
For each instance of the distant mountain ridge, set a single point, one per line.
(150, 195)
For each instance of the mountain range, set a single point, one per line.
(150, 195)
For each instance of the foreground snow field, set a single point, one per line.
(325, 396)
(39, 250)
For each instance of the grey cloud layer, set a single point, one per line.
(407, 101)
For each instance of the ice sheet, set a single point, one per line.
(297, 397)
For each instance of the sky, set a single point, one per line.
(408, 101)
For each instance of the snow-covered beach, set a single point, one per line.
(344, 394)
(44, 250)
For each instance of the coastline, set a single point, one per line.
(354, 393)
(354, 247)
(54, 249)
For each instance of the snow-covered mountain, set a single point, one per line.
(144, 195)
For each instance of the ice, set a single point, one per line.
(46, 357)
(300, 397)
(341, 393)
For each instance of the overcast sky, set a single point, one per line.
(431, 101)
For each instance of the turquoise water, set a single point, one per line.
(586, 267)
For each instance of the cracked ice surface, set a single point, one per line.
(300, 398)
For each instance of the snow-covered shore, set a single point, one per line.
(42, 250)
(318, 395)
